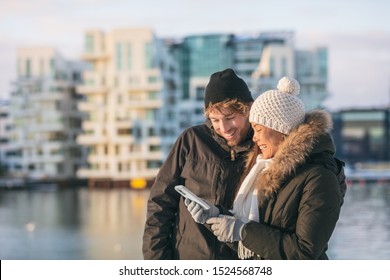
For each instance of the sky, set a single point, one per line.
(356, 33)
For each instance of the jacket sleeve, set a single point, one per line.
(316, 217)
(162, 207)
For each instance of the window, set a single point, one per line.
(89, 43)
(272, 67)
(153, 95)
(155, 148)
(149, 55)
(151, 131)
(41, 67)
(152, 79)
(52, 68)
(28, 68)
(284, 67)
(124, 131)
(199, 93)
(118, 56)
(151, 115)
(153, 164)
(129, 62)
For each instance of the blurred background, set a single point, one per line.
(93, 94)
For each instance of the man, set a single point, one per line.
(207, 159)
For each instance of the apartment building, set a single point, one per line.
(261, 59)
(198, 56)
(130, 95)
(5, 127)
(249, 50)
(309, 67)
(46, 122)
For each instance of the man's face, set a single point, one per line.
(230, 125)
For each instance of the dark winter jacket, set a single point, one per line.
(300, 195)
(203, 162)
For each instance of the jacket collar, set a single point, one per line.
(309, 138)
(244, 146)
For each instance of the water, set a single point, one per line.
(363, 230)
(95, 224)
(72, 224)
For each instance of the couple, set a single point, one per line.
(276, 197)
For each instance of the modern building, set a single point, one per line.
(362, 135)
(198, 56)
(261, 59)
(130, 98)
(5, 128)
(251, 49)
(309, 67)
(46, 122)
(276, 60)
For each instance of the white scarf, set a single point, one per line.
(245, 206)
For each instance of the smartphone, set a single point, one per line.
(188, 194)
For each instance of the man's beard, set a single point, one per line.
(232, 143)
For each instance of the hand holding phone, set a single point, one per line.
(188, 194)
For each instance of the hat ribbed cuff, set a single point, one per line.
(270, 123)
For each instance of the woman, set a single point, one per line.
(288, 205)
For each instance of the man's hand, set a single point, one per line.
(199, 214)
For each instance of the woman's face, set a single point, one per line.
(267, 139)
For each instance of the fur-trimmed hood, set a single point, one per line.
(309, 138)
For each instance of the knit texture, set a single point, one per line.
(280, 109)
(225, 85)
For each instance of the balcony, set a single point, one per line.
(89, 106)
(144, 104)
(92, 89)
(90, 139)
(44, 159)
(94, 56)
(91, 173)
(47, 96)
(46, 127)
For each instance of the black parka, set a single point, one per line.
(300, 195)
(203, 162)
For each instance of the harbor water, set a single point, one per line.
(100, 224)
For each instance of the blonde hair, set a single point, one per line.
(231, 104)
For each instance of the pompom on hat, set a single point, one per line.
(225, 85)
(280, 109)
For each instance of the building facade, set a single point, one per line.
(198, 56)
(46, 122)
(130, 98)
(115, 116)
(5, 128)
(309, 67)
(362, 135)
(260, 59)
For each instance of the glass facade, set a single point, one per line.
(363, 135)
(208, 54)
(322, 58)
(200, 56)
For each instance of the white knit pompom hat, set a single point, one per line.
(280, 109)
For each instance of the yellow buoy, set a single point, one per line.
(138, 183)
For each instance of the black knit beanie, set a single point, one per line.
(225, 85)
